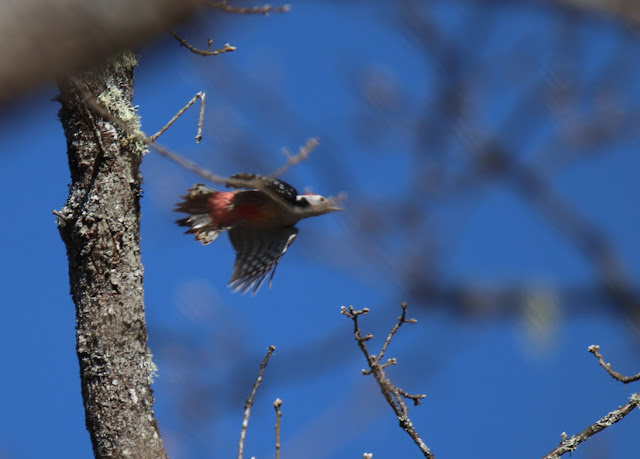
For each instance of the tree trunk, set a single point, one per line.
(100, 226)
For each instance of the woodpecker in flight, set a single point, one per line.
(260, 222)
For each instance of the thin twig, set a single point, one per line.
(402, 319)
(571, 444)
(201, 96)
(203, 52)
(235, 182)
(392, 394)
(302, 154)
(607, 366)
(249, 402)
(277, 404)
(141, 137)
(265, 9)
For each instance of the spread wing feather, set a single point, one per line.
(258, 253)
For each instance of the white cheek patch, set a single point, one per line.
(312, 199)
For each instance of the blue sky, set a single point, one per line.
(356, 76)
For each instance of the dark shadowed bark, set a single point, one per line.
(100, 226)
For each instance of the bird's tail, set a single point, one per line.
(199, 222)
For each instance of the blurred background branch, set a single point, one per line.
(46, 39)
(626, 10)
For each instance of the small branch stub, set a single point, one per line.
(277, 404)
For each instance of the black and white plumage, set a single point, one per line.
(260, 222)
(258, 253)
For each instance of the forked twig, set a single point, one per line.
(402, 319)
(249, 402)
(595, 350)
(201, 95)
(203, 52)
(141, 137)
(392, 394)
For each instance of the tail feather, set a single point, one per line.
(195, 203)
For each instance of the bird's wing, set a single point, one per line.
(258, 252)
(278, 190)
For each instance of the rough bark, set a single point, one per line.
(100, 226)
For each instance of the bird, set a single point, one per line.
(260, 222)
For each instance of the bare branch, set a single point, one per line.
(141, 137)
(247, 181)
(392, 394)
(571, 444)
(265, 9)
(203, 52)
(302, 154)
(175, 157)
(607, 366)
(249, 402)
(201, 96)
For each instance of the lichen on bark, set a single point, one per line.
(100, 227)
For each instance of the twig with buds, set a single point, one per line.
(569, 444)
(595, 350)
(393, 395)
(203, 52)
(277, 404)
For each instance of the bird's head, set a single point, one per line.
(314, 204)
